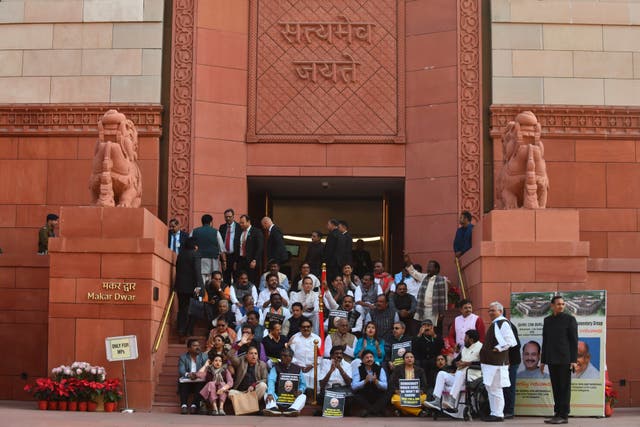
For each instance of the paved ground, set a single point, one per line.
(24, 414)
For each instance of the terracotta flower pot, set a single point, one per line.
(62, 405)
(92, 406)
(608, 410)
(52, 405)
(82, 406)
(110, 406)
(42, 405)
(72, 406)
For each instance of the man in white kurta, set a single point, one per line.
(302, 346)
(494, 359)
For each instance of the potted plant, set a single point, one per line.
(83, 391)
(72, 388)
(42, 391)
(61, 394)
(112, 394)
(95, 392)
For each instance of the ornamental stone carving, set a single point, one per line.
(329, 71)
(523, 180)
(116, 178)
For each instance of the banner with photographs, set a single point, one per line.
(397, 352)
(272, 317)
(287, 386)
(410, 393)
(533, 388)
(334, 316)
(333, 406)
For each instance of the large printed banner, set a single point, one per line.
(533, 388)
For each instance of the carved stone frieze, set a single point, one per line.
(564, 121)
(74, 119)
(330, 71)
(469, 108)
(181, 108)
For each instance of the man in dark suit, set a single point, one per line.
(560, 352)
(275, 241)
(345, 245)
(331, 248)
(230, 232)
(188, 278)
(249, 249)
(176, 236)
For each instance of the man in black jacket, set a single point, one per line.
(250, 249)
(276, 249)
(560, 352)
(345, 245)
(230, 233)
(188, 278)
(331, 247)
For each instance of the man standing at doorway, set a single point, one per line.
(250, 250)
(230, 232)
(315, 252)
(560, 352)
(210, 246)
(276, 249)
(345, 245)
(331, 246)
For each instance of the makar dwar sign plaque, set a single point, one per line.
(329, 71)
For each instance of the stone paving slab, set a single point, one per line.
(25, 414)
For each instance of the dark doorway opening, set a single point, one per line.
(373, 207)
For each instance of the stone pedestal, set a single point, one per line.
(524, 250)
(104, 268)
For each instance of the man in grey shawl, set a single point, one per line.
(432, 295)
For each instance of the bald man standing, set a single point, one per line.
(275, 242)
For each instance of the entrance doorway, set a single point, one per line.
(373, 207)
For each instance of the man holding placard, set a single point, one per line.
(287, 381)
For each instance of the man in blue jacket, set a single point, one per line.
(189, 383)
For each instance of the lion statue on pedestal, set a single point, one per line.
(116, 178)
(523, 180)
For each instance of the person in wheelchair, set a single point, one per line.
(454, 382)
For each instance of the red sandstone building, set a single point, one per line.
(388, 113)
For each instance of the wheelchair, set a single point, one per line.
(473, 402)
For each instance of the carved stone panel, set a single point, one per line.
(326, 71)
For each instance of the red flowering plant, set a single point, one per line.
(454, 295)
(95, 389)
(112, 391)
(43, 389)
(60, 390)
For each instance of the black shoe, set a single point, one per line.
(508, 416)
(193, 410)
(558, 420)
(184, 410)
(493, 419)
(364, 414)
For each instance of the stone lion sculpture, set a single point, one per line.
(116, 178)
(523, 180)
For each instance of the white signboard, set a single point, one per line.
(121, 348)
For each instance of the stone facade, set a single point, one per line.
(80, 51)
(565, 52)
